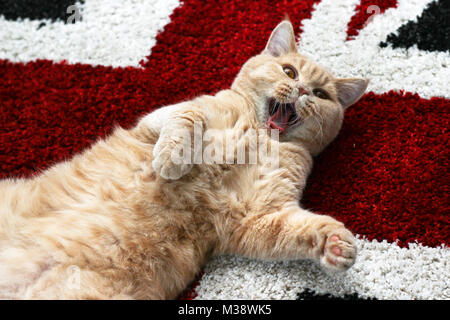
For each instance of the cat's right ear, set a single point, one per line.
(282, 40)
(350, 90)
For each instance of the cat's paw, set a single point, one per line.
(338, 250)
(167, 161)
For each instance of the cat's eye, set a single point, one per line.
(290, 72)
(320, 93)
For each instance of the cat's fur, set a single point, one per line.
(122, 221)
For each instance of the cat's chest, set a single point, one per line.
(282, 174)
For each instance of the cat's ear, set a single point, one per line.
(282, 40)
(350, 90)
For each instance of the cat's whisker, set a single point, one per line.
(306, 112)
(320, 124)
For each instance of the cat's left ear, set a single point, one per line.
(350, 90)
(282, 40)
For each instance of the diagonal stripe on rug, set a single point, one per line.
(66, 81)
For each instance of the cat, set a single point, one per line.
(126, 220)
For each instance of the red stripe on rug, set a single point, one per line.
(48, 112)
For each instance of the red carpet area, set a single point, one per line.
(65, 85)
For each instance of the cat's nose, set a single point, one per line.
(302, 91)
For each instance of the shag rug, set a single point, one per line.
(71, 71)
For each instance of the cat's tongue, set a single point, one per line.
(278, 120)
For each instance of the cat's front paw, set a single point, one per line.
(338, 249)
(167, 160)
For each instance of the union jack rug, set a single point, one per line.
(71, 71)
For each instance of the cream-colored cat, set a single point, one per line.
(124, 220)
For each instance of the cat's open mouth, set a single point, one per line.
(281, 116)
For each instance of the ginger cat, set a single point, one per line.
(124, 220)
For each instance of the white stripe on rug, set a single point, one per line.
(382, 270)
(418, 71)
(111, 33)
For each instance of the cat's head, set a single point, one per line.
(296, 95)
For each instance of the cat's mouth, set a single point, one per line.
(281, 116)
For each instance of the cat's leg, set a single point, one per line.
(294, 233)
(176, 126)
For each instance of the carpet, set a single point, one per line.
(70, 72)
